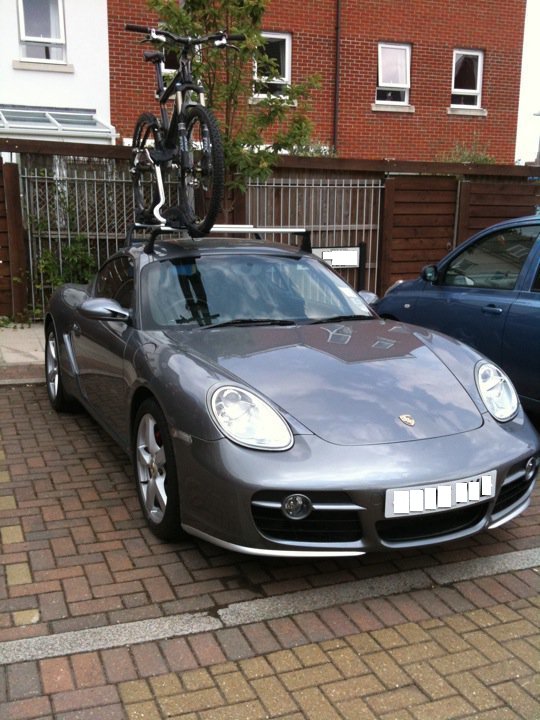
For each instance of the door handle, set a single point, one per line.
(492, 309)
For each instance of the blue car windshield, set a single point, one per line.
(217, 289)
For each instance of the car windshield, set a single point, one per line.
(225, 290)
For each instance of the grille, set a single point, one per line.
(335, 519)
(511, 493)
(431, 525)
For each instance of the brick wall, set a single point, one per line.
(132, 80)
(433, 29)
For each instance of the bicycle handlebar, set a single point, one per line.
(220, 37)
(130, 27)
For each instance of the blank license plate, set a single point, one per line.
(436, 498)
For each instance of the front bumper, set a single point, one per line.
(232, 496)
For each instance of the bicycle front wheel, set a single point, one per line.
(146, 140)
(202, 173)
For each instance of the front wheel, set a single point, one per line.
(202, 171)
(155, 472)
(146, 140)
(59, 399)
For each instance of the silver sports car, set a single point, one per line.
(268, 410)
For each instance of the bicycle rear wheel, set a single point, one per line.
(146, 139)
(202, 173)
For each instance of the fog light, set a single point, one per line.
(530, 468)
(296, 507)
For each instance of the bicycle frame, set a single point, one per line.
(180, 87)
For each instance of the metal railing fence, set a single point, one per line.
(76, 216)
(72, 212)
(339, 212)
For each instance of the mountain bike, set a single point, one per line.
(177, 163)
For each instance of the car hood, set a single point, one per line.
(350, 383)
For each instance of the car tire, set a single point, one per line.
(155, 472)
(58, 397)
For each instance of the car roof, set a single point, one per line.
(514, 222)
(174, 247)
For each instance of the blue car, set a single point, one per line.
(486, 293)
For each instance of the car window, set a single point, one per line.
(115, 280)
(493, 261)
(536, 283)
(216, 289)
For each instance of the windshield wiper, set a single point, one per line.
(339, 318)
(249, 321)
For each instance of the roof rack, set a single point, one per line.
(157, 230)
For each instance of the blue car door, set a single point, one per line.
(475, 316)
(476, 288)
(521, 339)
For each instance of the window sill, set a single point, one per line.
(392, 107)
(43, 66)
(467, 112)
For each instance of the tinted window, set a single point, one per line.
(215, 289)
(115, 280)
(536, 283)
(494, 261)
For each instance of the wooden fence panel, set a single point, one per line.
(486, 203)
(418, 225)
(426, 216)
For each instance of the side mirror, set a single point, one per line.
(368, 297)
(430, 273)
(104, 309)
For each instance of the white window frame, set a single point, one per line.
(477, 92)
(59, 41)
(283, 79)
(402, 86)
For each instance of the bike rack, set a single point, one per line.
(157, 230)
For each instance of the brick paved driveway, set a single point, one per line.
(99, 619)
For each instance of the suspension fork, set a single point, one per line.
(183, 100)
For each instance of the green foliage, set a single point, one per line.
(473, 153)
(256, 125)
(70, 264)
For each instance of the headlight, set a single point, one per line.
(248, 420)
(497, 391)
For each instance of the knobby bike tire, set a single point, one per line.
(202, 171)
(146, 136)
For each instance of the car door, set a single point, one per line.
(100, 346)
(477, 287)
(521, 339)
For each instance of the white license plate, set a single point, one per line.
(437, 498)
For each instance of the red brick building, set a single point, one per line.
(408, 80)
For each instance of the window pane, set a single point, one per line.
(392, 96)
(39, 51)
(272, 71)
(275, 49)
(42, 19)
(23, 116)
(393, 66)
(466, 72)
(115, 281)
(536, 283)
(471, 100)
(493, 262)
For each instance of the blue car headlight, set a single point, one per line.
(248, 420)
(496, 391)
